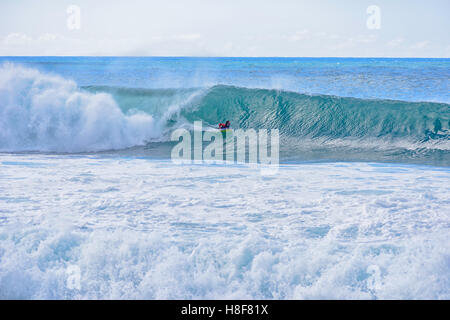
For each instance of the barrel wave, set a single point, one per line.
(312, 127)
(299, 115)
(41, 112)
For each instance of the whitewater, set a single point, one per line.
(359, 208)
(139, 228)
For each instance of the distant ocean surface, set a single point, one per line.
(360, 207)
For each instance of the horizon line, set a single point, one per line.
(232, 57)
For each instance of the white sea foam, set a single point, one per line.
(42, 112)
(151, 229)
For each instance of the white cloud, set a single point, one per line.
(420, 45)
(16, 38)
(49, 37)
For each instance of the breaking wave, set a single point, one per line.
(42, 112)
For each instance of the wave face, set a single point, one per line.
(335, 126)
(47, 113)
(298, 115)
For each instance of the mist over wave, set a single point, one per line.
(41, 112)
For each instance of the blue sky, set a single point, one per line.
(407, 28)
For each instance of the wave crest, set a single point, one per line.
(41, 112)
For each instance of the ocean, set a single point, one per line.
(92, 207)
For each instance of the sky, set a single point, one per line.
(239, 28)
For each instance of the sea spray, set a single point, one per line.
(41, 112)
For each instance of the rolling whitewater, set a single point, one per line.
(359, 207)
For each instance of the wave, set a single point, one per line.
(311, 127)
(44, 112)
(294, 114)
